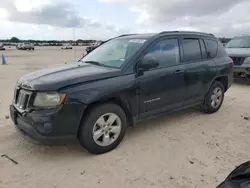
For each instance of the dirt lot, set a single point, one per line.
(185, 149)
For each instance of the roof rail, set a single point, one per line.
(124, 35)
(190, 32)
(163, 32)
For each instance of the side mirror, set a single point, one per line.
(148, 62)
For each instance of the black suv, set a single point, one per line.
(128, 79)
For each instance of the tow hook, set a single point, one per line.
(26, 112)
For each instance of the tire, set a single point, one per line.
(90, 126)
(214, 98)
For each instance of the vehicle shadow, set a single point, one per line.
(242, 81)
(75, 151)
(161, 121)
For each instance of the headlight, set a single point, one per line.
(48, 99)
(247, 60)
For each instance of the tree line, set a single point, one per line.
(225, 40)
(17, 40)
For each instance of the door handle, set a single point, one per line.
(179, 72)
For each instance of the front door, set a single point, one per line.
(161, 89)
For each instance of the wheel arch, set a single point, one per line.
(116, 100)
(221, 79)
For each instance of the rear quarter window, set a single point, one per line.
(212, 48)
(221, 50)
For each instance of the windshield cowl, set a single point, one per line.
(96, 63)
(237, 47)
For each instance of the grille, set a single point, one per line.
(21, 98)
(238, 60)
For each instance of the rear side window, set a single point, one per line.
(192, 50)
(212, 47)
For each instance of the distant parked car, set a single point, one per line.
(94, 46)
(239, 51)
(1, 47)
(25, 46)
(66, 47)
(19, 46)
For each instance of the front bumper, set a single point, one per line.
(49, 127)
(244, 69)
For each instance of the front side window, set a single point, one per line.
(114, 53)
(192, 50)
(166, 52)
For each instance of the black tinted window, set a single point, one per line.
(166, 52)
(212, 47)
(203, 49)
(192, 50)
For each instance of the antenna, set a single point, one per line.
(74, 36)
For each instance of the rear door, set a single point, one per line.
(197, 70)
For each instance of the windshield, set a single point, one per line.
(114, 53)
(239, 42)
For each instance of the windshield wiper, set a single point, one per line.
(94, 63)
(99, 64)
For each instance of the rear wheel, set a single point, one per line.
(214, 98)
(103, 128)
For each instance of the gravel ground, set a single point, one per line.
(184, 149)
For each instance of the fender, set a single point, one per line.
(119, 89)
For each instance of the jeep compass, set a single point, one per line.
(127, 79)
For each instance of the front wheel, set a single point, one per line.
(214, 98)
(103, 128)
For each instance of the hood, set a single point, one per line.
(55, 78)
(238, 52)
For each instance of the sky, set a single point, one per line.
(103, 19)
